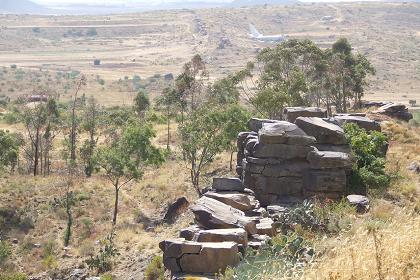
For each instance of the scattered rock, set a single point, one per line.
(399, 111)
(360, 201)
(189, 232)
(255, 124)
(362, 122)
(194, 257)
(237, 235)
(266, 227)
(213, 214)
(237, 200)
(176, 209)
(414, 166)
(324, 132)
(290, 114)
(227, 184)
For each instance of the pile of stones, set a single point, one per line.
(228, 220)
(279, 163)
(394, 110)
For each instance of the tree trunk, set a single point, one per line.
(67, 235)
(36, 155)
(231, 159)
(169, 135)
(114, 218)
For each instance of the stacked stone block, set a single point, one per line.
(284, 162)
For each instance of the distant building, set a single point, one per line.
(327, 18)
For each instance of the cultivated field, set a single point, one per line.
(160, 42)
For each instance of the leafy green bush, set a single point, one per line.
(155, 269)
(5, 252)
(104, 260)
(106, 277)
(369, 151)
(12, 276)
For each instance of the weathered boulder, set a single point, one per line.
(290, 114)
(241, 201)
(284, 133)
(362, 122)
(213, 214)
(177, 208)
(281, 151)
(237, 235)
(189, 232)
(266, 226)
(361, 202)
(398, 111)
(414, 166)
(255, 124)
(327, 159)
(227, 184)
(274, 185)
(293, 168)
(180, 255)
(324, 132)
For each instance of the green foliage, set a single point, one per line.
(107, 277)
(369, 151)
(103, 261)
(155, 269)
(141, 102)
(5, 252)
(207, 132)
(303, 215)
(13, 276)
(9, 149)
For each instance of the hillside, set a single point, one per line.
(21, 7)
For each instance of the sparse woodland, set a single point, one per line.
(84, 185)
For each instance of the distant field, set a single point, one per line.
(160, 42)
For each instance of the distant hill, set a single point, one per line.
(242, 3)
(21, 7)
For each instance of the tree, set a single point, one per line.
(124, 156)
(168, 101)
(190, 82)
(9, 149)
(90, 124)
(204, 135)
(141, 103)
(74, 123)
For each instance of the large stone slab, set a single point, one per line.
(274, 185)
(237, 235)
(290, 114)
(256, 124)
(213, 258)
(266, 226)
(241, 201)
(283, 132)
(334, 148)
(184, 256)
(323, 131)
(227, 184)
(328, 180)
(281, 151)
(327, 159)
(213, 214)
(362, 122)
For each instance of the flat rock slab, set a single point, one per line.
(266, 226)
(213, 214)
(327, 159)
(241, 201)
(334, 148)
(197, 257)
(274, 185)
(362, 122)
(283, 132)
(360, 201)
(189, 232)
(256, 124)
(227, 184)
(292, 168)
(290, 114)
(391, 108)
(237, 235)
(323, 131)
(281, 151)
(189, 276)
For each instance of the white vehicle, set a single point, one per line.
(255, 34)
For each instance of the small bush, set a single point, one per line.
(5, 252)
(369, 151)
(155, 269)
(107, 277)
(104, 260)
(12, 276)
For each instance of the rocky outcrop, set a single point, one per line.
(399, 111)
(323, 131)
(361, 121)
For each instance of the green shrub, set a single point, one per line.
(106, 277)
(5, 252)
(13, 276)
(104, 260)
(155, 269)
(369, 151)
